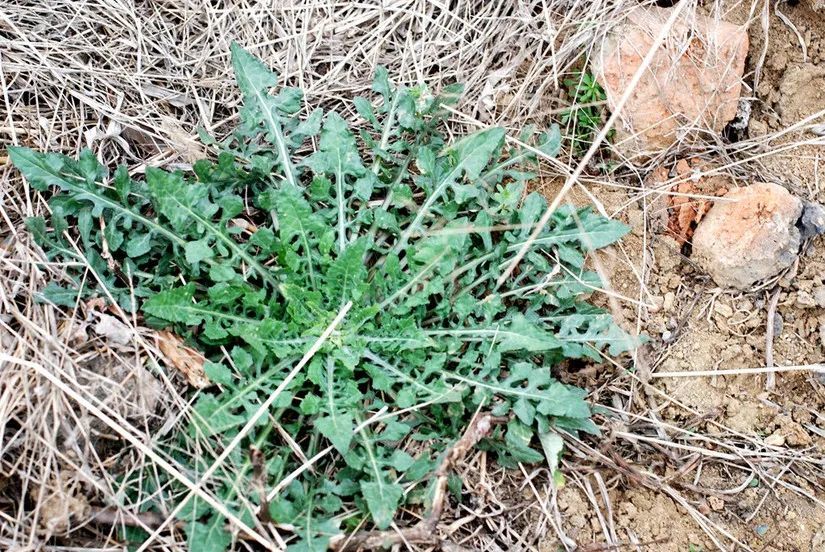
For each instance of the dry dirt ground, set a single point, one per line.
(686, 463)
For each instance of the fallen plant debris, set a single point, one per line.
(112, 328)
(410, 237)
(687, 211)
(188, 361)
(690, 194)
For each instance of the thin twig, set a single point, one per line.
(769, 331)
(108, 515)
(815, 368)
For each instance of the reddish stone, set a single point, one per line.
(748, 235)
(693, 82)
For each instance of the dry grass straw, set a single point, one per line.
(134, 81)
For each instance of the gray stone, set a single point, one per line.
(812, 222)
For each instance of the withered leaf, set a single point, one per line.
(186, 360)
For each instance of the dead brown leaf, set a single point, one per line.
(686, 212)
(244, 225)
(186, 360)
(96, 304)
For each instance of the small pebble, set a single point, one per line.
(775, 439)
(716, 503)
(818, 295)
(805, 300)
(778, 325)
(812, 221)
(670, 299)
(723, 309)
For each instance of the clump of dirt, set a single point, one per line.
(801, 89)
(643, 517)
(61, 507)
(652, 517)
